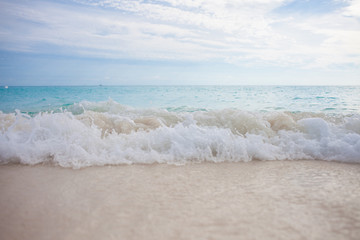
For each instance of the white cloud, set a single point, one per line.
(241, 32)
(353, 10)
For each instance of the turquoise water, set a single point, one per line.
(100, 125)
(345, 99)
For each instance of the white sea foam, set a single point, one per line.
(103, 133)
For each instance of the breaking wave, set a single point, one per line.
(102, 133)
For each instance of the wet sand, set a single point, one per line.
(255, 200)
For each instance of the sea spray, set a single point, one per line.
(101, 133)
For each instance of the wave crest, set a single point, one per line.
(88, 134)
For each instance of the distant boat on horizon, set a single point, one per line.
(6, 87)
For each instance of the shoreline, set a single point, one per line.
(253, 200)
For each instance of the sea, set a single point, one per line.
(82, 126)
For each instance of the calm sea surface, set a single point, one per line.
(334, 99)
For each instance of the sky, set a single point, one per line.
(175, 42)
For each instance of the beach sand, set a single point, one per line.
(255, 200)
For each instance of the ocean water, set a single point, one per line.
(100, 125)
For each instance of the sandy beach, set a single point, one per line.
(255, 200)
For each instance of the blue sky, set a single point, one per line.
(262, 42)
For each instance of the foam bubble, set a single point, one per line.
(110, 133)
